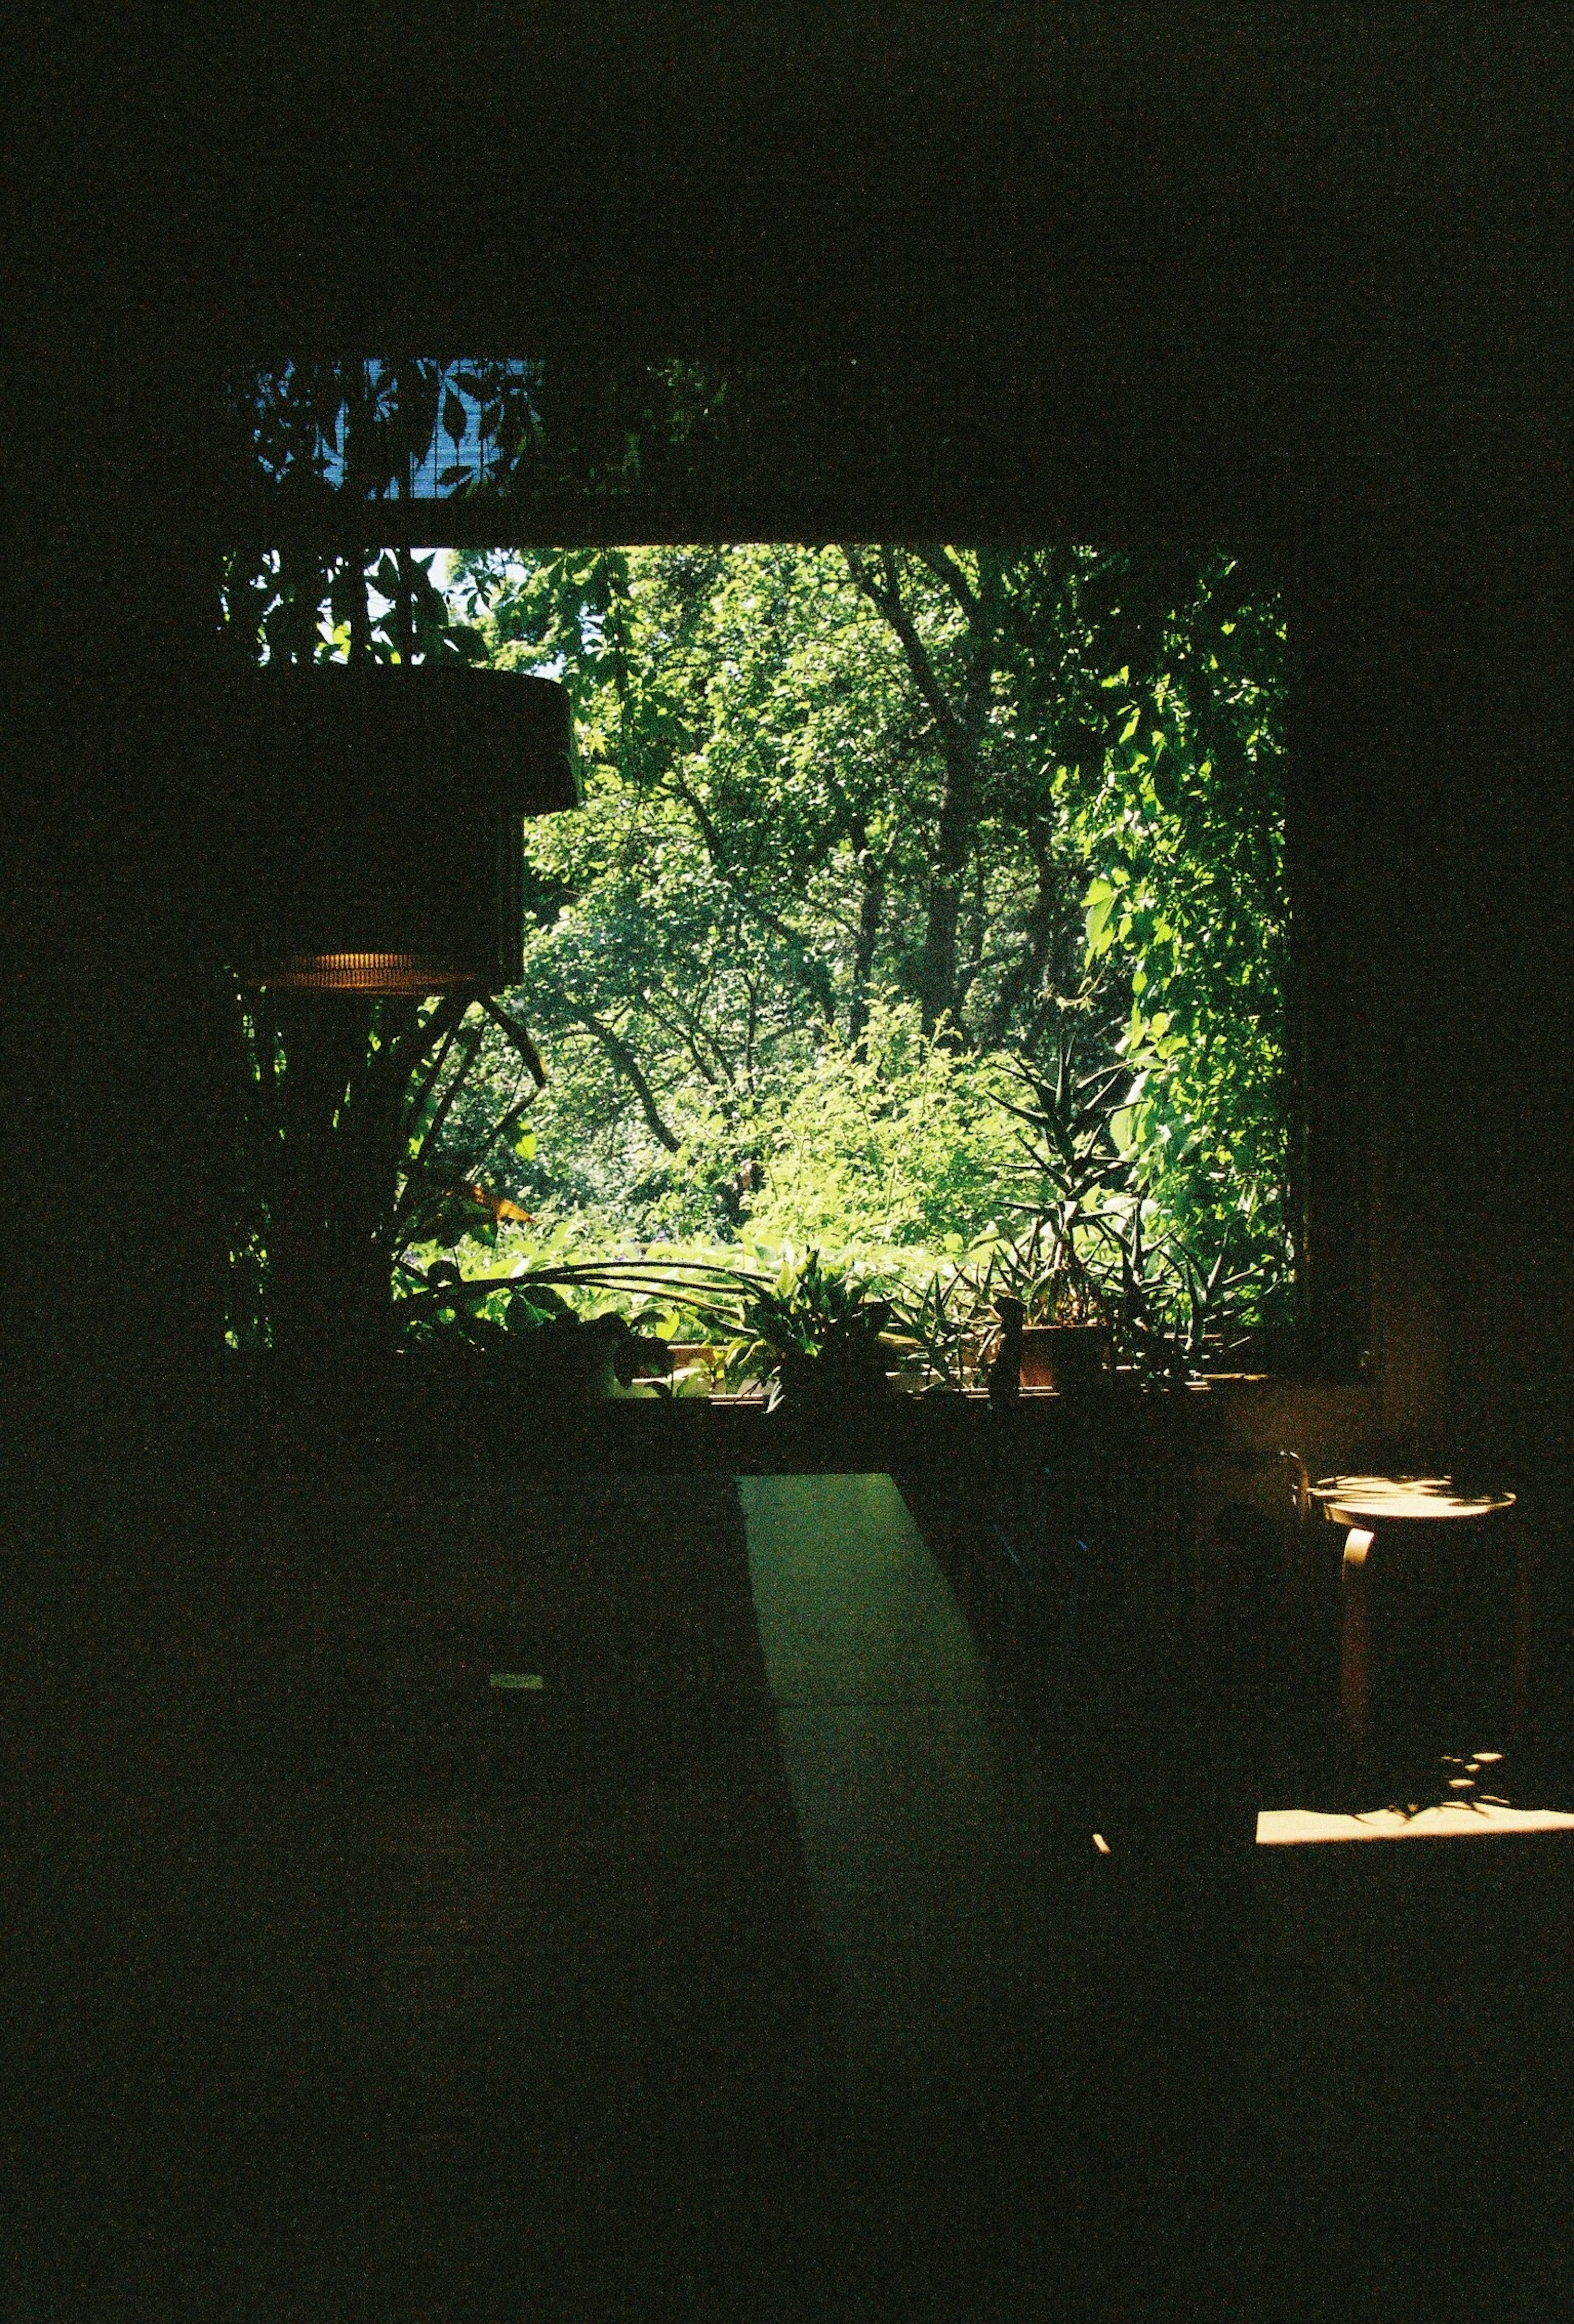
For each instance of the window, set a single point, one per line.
(881, 840)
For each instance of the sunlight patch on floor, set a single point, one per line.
(915, 1802)
(1296, 1827)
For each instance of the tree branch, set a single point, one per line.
(628, 1064)
(887, 603)
(944, 566)
(814, 972)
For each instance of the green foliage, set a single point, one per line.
(349, 1154)
(812, 1308)
(893, 1141)
(1186, 831)
(818, 1330)
(881, 842)
(927, 905)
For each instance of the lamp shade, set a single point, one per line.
(377, 821)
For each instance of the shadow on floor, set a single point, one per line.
(742, 1974)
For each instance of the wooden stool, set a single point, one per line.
(1383, 1517)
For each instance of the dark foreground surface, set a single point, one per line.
(739, 1970)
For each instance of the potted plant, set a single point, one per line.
(1071, 1345)
(1177, 1310)
(538, 1341)
(1067, 1340)
(1077, 1165)
(941, 1332)
(525, 1326)
(817, 1337)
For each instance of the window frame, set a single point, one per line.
(1330, 1160)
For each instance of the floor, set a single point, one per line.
(920, 1812)
(752, 1982)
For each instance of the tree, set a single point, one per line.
(825, 781)
(833, 791)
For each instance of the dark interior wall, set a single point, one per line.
(1496, 1099)
(1454, 861)
(1294, 281)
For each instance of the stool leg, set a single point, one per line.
(1356, 1639)
(1523, 1619)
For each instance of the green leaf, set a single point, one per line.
(455, 418)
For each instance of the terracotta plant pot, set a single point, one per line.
(696, 1368)
(1069, 1357)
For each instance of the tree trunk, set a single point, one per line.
(937, 974)
(1042, 942)
(955, 828)
(871, 913)
(961, 727)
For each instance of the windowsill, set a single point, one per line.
(406, 1417)
(434, 1368)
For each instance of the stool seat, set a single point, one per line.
(1386, 1500)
